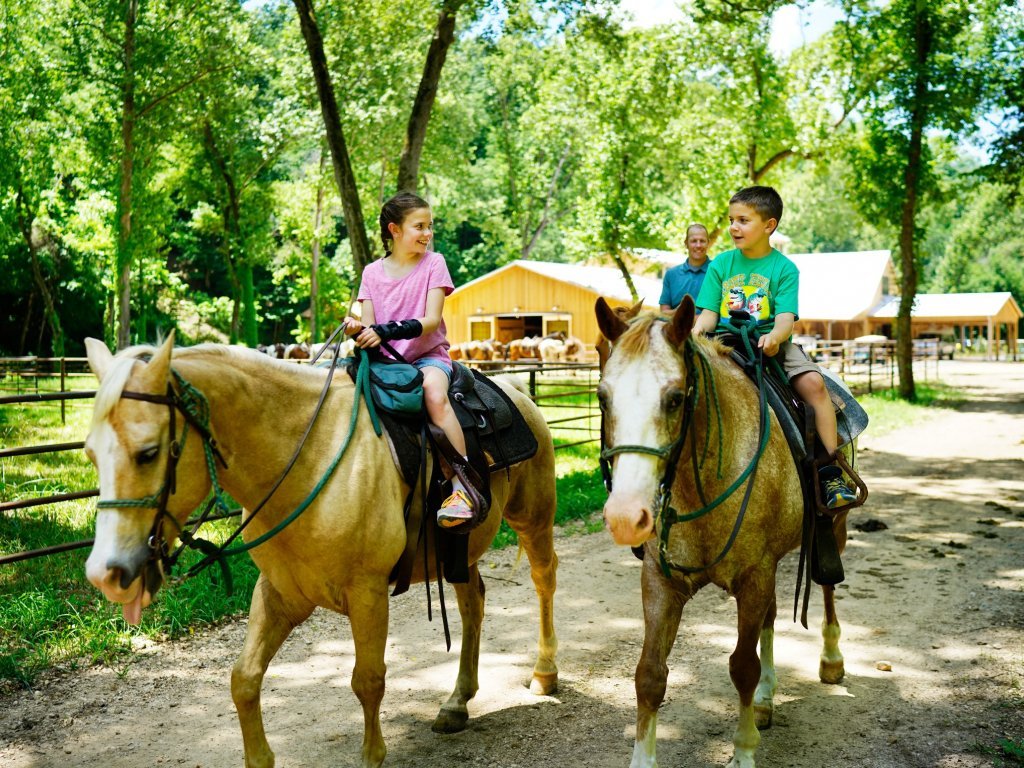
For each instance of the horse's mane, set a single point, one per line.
(120, 370)
(635, 340)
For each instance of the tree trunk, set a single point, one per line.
(527, 245)
(614, 239)
(416, 130)
(314, 274)
(124, 202)
(911, 184)
(343, 174)
(249, 333)
(25, 218)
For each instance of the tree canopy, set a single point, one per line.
(168, 165)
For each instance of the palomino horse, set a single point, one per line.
(658, 383)
(337, 554)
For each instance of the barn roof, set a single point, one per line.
(602, 281)
(833, 286)
(839, 286)
(954, 306)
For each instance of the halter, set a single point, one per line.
(694, 360)
(194, 407)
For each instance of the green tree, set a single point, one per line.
(932, 83)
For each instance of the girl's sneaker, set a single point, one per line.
(455, 510)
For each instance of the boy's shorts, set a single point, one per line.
(794, 360)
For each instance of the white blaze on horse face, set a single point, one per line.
(120, 533)
(636, 388)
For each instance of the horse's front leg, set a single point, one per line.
(753, 601)
(764, 695)
(663, 608)
(270, 623)
(454, 713)
(831, 668)
(367, 602)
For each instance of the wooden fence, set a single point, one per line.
(550, 386)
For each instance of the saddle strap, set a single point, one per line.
(476, 485)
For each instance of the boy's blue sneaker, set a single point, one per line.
(834, 489)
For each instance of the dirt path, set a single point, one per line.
(939, 595)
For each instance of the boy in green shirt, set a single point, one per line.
(758, 279)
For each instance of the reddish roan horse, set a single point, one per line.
(644, 389)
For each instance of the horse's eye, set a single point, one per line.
(147, 456)
(602, 399)
(673, 400)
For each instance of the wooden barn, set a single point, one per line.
(535, 298)
(842, 296)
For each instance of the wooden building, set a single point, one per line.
(535, 298)
(972, 317)
(842, 296)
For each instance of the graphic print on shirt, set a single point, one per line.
(747, 292)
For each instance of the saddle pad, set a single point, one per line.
(507, 439)
(851, 418)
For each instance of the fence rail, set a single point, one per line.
(862, 365)
(539, 377)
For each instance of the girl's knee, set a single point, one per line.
(435, 391)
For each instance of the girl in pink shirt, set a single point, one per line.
(402, 296)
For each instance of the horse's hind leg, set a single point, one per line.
(270, 623)
(831, 668)
(764, 695)
(753, 602)
(663, 608)
(454, 713)
(540, 551)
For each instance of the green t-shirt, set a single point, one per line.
(763, 287)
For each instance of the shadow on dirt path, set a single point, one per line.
(938, 595)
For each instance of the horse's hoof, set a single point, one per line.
(450, 721)
(763, 716)
(544, 684)
(831, 672)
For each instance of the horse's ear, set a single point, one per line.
(609, 320)
(153, 376)
(99, 357)
(678, 331)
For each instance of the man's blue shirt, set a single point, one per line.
(680, 280)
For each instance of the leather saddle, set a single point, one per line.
(819, 549)
(497, 436)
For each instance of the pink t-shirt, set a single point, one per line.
(406, 299)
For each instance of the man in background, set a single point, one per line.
(687, 278)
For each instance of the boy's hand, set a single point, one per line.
(768, 344)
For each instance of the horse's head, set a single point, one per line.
(130, 442)
(642, 393)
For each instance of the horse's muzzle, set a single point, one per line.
(629, 519)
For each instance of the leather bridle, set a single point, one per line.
(665, 515)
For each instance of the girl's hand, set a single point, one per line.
(367, 338)
(352, 326)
